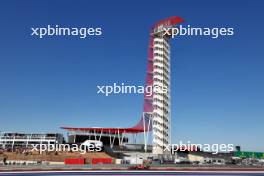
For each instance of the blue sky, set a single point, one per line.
(217, 84)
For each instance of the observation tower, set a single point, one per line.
(156, 115)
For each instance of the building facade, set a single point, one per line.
(13, 141)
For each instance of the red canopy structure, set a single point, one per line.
(106, 130)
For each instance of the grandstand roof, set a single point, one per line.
(108, 130)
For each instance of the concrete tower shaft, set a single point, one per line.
(161, 117)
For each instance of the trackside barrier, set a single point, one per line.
(74, 161)
(102, 161)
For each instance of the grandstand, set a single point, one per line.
(11, 141)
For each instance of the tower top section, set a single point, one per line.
(166, 23)
(171, 21)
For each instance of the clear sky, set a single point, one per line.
(217, 84)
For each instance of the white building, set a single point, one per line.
(25, 140)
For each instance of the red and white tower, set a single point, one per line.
(160, 56)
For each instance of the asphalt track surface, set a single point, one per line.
(123, 170)
(179, 173)
(133, 172)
